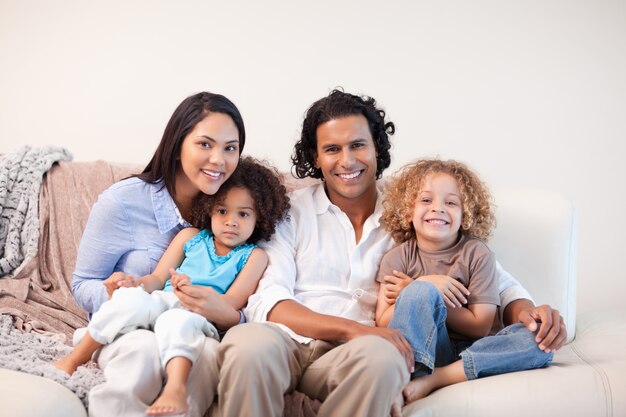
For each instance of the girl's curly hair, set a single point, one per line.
(264, 183)
(401, 194)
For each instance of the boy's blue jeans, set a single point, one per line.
(420, 315)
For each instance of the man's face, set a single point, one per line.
(346, 155)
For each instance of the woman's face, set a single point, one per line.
(208, 156)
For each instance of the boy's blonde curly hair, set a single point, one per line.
(401, 194)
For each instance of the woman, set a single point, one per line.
(129, 228)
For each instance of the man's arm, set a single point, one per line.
(552, 333)
(306, 322)
(518, 307)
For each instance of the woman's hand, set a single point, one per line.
(118, 280)
(454, 293)
(208, 303)
(394, 284)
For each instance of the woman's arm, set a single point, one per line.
(105, 240)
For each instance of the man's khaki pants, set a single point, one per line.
(258, 363)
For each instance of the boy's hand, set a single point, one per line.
(394, 284)
(118, 280)
(454, 293)
(179, 280)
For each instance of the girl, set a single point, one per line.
(222, 256)
(127, 232)
(439, 286)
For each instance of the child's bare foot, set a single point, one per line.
(66, 364)
(418, 388)
(171, 402)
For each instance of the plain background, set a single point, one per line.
(529, 93)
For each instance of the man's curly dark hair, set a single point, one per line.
(264, 183)
(336, 105)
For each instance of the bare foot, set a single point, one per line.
(171, 402)
(418, 388)
(66, 364)
(396, 407)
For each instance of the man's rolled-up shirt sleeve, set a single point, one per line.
(278, 281)
(510, 289)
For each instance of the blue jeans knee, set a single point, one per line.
(511, 349)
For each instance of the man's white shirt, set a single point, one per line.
(314, 260)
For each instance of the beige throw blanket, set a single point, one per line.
(39, 297)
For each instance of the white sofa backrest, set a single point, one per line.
(535, 240)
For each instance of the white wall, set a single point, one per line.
(530, 93)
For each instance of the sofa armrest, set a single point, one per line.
(535, 240)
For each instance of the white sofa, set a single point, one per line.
(535, 240)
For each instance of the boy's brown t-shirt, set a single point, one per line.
(470, 262)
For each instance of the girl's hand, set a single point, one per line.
(454, 293)
(179, 280)
(208, 303)
(394, 284)
(118, 280)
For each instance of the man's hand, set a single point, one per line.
(118, 280)
(394, 284)
(552, 333)
(454, 293)
(394, 337)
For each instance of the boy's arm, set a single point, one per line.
(171, 259)
(384, 310)
(475, 321)
(392, 278)
(247, 280)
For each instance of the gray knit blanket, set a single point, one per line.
(21, 173)
(34, 353)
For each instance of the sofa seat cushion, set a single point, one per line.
(29, 395)
(587, 378)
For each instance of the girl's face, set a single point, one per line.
(208, 156)
(233, 220)
(438, 212)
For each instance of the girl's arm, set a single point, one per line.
(247, 280)
(171, 259)
(475, 321)
(223, 309)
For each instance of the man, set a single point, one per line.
(312, 316)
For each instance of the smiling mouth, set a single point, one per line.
(350, 176)
(437, 222)
(212, 174)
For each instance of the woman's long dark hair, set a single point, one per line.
(166, 158)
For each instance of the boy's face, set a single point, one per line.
(438, 212)
(233, 221)
(346, 155)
